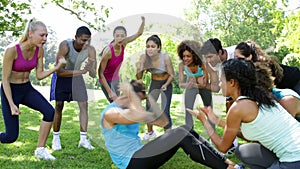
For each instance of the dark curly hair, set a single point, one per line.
(244, 72)
(264, 76)
(193, 47)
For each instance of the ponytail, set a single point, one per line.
(31, 27)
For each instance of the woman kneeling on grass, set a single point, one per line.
(120, 127)
(256, 116)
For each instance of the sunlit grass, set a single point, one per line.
(21, 153)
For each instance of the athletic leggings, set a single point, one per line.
(256, 156)
(189, 100)
(157, 152)
(166, 97)
(114, 85)
(22, 94)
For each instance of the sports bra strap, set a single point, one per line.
(242, 97)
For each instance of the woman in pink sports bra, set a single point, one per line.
(112, 59)
(16, 88)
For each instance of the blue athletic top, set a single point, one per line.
(122, 141)
(189, 74)
(275, 129)
(280, 93)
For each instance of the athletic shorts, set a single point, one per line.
(70, 89)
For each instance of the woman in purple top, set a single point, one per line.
(16, 88)
(112, 59)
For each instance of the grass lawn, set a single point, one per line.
(21, 153)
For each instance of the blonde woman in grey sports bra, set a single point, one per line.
(162, 74)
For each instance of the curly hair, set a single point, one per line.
(193, 47)
(243, 71)
(276, 69)
(264, 76)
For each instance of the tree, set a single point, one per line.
(90, 12)
(11, 16)
(12, 13)
(233, 21)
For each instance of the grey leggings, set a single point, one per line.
(256, 156)
(166, 96)
(189, 100)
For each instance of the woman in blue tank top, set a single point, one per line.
(119, 123)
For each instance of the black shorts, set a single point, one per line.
(70, 89)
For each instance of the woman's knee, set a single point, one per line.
(49, 115)
(9, 137)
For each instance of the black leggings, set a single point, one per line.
(157, 152)
(22, 94)
(166, 97)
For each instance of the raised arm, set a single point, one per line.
(137, 34)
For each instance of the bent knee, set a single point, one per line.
(9, 138)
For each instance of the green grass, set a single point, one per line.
(21, 153)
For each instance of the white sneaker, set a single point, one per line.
(149, 136)
(86, 144)
(43, 154)
(56, 144)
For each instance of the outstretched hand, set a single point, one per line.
(199, 114)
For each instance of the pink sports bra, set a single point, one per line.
(23, 65)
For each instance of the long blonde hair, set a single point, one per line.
(31, 27)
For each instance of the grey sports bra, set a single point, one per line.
(162, 67)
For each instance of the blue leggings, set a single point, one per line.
(22, 94)
(166, 96)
